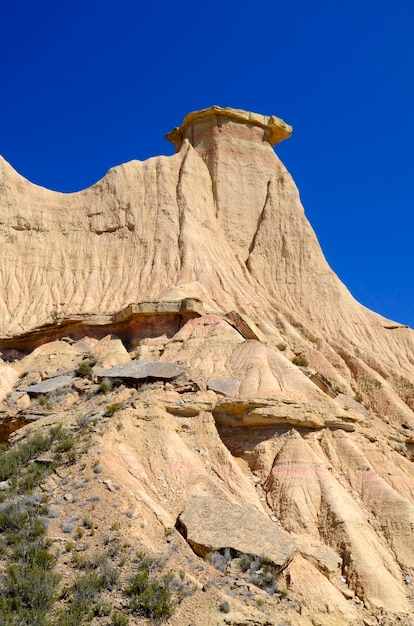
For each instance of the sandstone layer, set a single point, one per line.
(194, 280)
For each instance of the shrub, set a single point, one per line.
(300, 361)
(14, 459)
(263, 574)
(99, 575)
(105, 386)
(113, 408)
(102, 608)
(29, 583)
(84, 369)
(44, 401)
(151, 593)
(30, 586)
(83, 421)
(33, 477)
(220, 560)
(66, 528)
(119, 619)
(244, 562)
(79, 533)
(87, 522)
(151, 598)
(65, 444)
(225, 606)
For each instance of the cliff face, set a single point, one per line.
(224, 276)
(221, 220)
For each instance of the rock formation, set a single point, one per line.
(204, 263)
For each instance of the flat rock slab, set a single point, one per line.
(50, 385)
(226, 385)
(211, 524)
(139, 370)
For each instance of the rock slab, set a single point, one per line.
(213, 524)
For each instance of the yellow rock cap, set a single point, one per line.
(277, 129)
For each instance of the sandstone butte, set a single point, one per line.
(205, 260)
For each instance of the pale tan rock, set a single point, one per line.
(8, 377)
(214, 524)
(276, 129)
(316, 591)
(23, 402)
(110, 352)
(226, 385)
(152, 258)
(242, 243)
(49, 359)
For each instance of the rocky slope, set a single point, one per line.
(193, 281)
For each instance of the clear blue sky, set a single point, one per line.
(86, 85)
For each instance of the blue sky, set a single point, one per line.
(86, 85)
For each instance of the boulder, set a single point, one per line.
(212, 524)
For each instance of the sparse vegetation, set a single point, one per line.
(31, 591)
(44, 401)
(150, 594)
(244, 562)
(300, 361)
(83, 422)
(56, 315)
(105, 386)
(29, 583)
(29, 586)
(113, 408)
(225, 606)
(119, 619)
(13, 460)
(358, 397)
(220, 559)
(84, 369)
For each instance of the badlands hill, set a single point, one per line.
(260, 410)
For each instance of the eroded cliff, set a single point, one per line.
(206, 261)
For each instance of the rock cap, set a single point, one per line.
(277, 129)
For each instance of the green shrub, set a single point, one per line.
(263, 574)
(102, 609)
(44, 401)
(113, 408)
(33, 477)
(244, 562)
(150, 591)
(151, 597)
(105, 386)
(30, 586)
(119, 619)
(100, 574)
(87, 522)
(65, 444)
(29, 582)
(84, 369)
(14, 459)
(300, 361)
